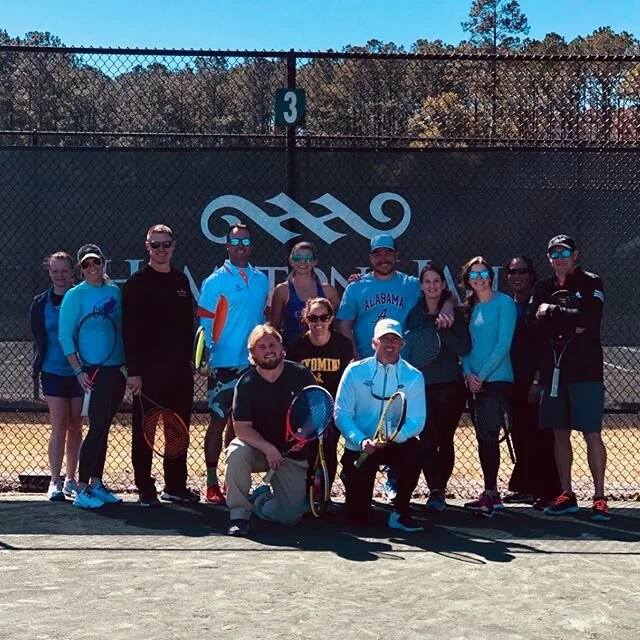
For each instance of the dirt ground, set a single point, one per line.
(123, 572)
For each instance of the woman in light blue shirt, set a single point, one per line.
(59, 385)
(487, 370)
(95, 297)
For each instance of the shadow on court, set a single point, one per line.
(456, 534)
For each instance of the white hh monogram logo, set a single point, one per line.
(293, 211)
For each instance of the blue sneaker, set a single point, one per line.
(86, 500)
(262, 489)
(404, 523)
(389, 489)
(436, 502)
(102, 493)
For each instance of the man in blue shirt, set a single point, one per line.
(246, 290)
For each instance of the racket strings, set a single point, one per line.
(165, 432)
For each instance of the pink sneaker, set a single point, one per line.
(484, 505)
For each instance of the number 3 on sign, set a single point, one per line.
(290, 107)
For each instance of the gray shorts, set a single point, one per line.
(220, 390)
(579, 406)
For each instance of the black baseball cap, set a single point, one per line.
(89, 251)
(562, 240)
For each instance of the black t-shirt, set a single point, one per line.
(327, 363)
(157, 320)
(265, 403)
(582, 360)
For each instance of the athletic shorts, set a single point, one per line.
(579, 406)
(56, 386)
(220, 388)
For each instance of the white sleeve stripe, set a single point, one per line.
(598, 294)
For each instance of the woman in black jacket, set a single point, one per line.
(59, 384)
(445, 389)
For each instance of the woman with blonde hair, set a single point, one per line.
(59, 384)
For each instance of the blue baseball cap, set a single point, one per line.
(386, 326)
(382, 241)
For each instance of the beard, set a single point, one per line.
(271, 363)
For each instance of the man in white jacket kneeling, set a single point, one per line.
(364, 390)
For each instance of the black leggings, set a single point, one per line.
(445, 404)
(107, 394)
(488, 432)
(535, 471)
(171, 387)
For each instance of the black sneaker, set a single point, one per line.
(149, 501)
(238, 528)
(565, 503)
(518, 497)
(187, 496)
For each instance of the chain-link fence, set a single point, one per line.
(453, 155)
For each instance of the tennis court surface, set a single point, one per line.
(123, 572)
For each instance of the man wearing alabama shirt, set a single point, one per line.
(381, 293)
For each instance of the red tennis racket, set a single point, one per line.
(165, 432)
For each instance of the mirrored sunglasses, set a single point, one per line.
(236, 242)
(474, 275)
(296, 257)
(563, 253)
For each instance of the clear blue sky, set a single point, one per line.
(298, 24)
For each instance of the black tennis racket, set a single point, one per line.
(319, 487)
(96, 340)
(389, 424)
(422, 345)
(308, 416)
(562, 333)
(490, 413)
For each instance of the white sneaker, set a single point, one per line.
(102, 493)
(70, 488)
(54, 493)
(86, 500)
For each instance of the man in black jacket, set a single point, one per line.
(575, 399)
(157, 321)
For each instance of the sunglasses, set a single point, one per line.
(85, 264)
(236, 242)
(474, 275)
(296, 257)
(519, 271)
(165, 244)
(324, 317)
(563, 253)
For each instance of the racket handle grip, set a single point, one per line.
(361, 460)
(85, 404)
(269, 476)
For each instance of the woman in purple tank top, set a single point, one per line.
(289, 297)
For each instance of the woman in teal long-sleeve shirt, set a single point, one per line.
(487, 369)
(96, 295)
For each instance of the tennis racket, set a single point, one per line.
(319, 488)
(164, 430)
(308, 416)
(390, 423)
(562, 335)
(199, 349)
(489, 410)
(423, 345)
(96, 339)
(219, 317)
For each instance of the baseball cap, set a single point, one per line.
(562, 240)
(382, 241)
(387, 325)
(89, 251)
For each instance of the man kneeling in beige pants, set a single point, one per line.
(260, 402)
